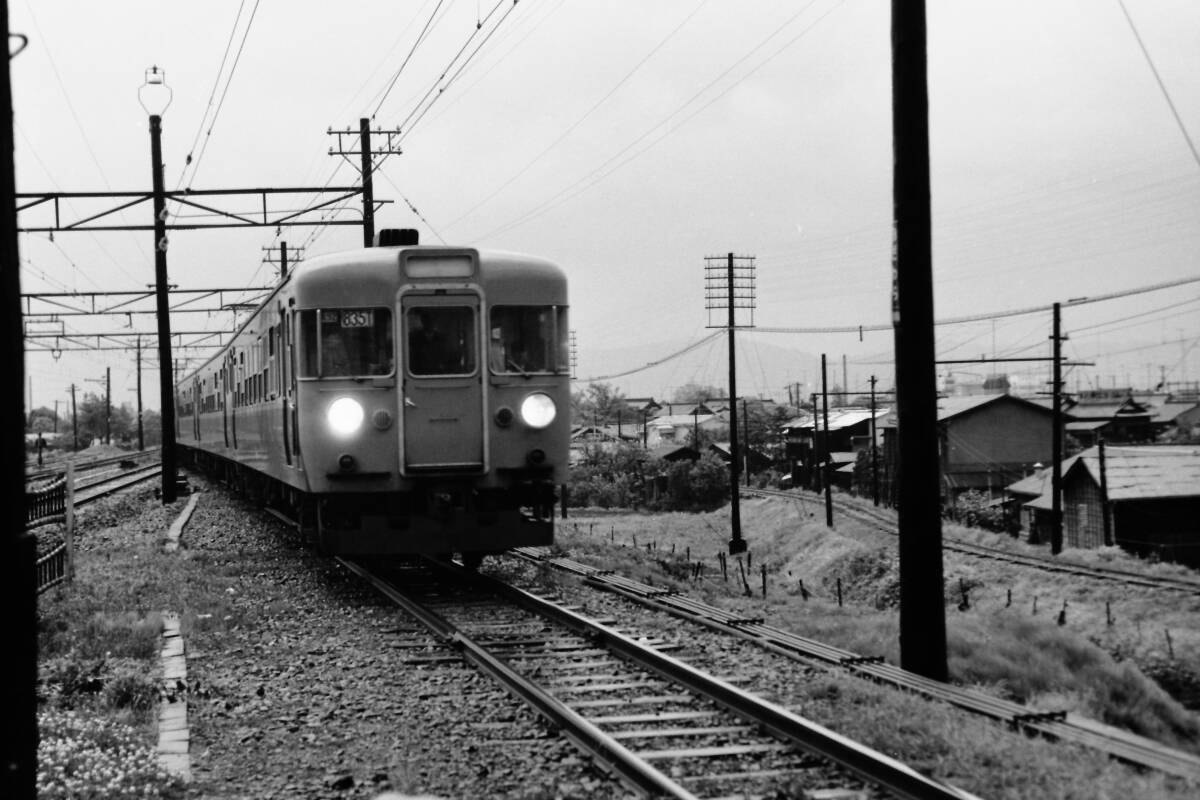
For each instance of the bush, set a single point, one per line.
(624, 479)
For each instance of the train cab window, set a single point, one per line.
(441, 340)
(346, 342)
(528, 339)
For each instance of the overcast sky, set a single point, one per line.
(629, 140)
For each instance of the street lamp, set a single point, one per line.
(154, 96)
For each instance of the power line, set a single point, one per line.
(1162, 86)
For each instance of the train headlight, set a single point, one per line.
(538, 410)
(345, 416)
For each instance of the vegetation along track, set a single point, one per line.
(1060, 725)
(664, 727)
(885, 521)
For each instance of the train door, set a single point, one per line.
(442, 385)
(291, 437)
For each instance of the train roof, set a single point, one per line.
(493, 263)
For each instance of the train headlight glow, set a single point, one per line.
(345, 416)
(538, 410)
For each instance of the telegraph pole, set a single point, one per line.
(365, 167)
(74, 421)
(108, 405)
(141, 436)
(731, 290)
(922, 607)
(18, 592)
(1104, 507)
(825, 449)
(874, 449)
(1056, 439)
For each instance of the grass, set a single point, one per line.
(98, 666)
(1084, 664)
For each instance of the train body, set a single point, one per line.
(396, 399)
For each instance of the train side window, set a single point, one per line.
(441, 340)
(346, 342)
(528, 339)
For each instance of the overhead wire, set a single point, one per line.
(608, 167)
(575, 125)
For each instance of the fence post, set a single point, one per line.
(69, 519)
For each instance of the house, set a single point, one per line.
(849, 431)
(684, 429)
(985, 442)
(1118, 419)
(754, 461)
(1152, 504)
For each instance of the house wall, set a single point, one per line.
(1000, 433)
(1168, 528)
(1083, 521)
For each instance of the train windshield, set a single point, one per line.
(346, 342)
(441, 340)
(529, 339)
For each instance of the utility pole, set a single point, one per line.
(736, 544)
(1056, 440)
(825, 449)
(18, 592)
(286, 257)
(816, 452)
(141, 436)
(108, 405)
(55, 416)
(74, 421)
(874, 449)
(746, 440)
(922, 606)
(166, 392)
(732, 290)
(366, 167)
(1104, 507)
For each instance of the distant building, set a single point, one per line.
(1152, 503)
(985, 442)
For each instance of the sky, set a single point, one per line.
(628, 142)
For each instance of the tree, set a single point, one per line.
(42, 420)
(696, 393)
(599, 402)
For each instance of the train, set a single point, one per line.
(399, 399)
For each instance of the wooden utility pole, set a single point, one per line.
(74, 421)
(922, 606)
(141, 436)
(18, 590)
(736, 543)
(1104, 506)
(1056, 439)
(874, 449)
(825, 448)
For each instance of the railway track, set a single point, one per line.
(1058, 725)
(662, 726)
(885, 521)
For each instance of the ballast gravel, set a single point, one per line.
(304, 684)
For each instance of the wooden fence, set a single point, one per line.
(54, 502)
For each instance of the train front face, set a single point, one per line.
(449, 430)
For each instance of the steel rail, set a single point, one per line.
(1065, 726)
(636, 772)
(859, 759)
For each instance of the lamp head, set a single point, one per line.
(154, 94)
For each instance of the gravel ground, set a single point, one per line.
(299, 686)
